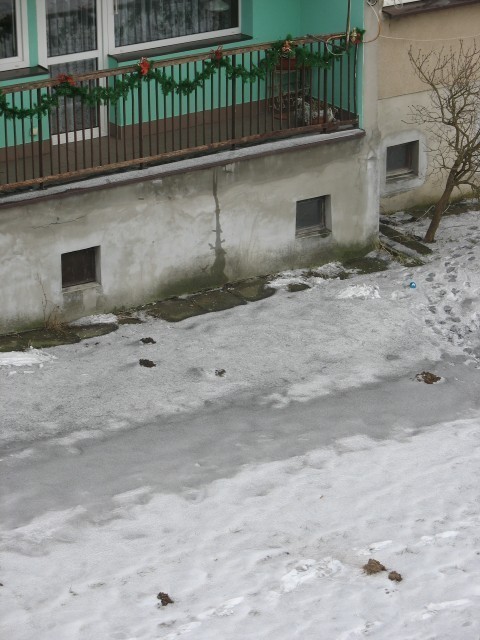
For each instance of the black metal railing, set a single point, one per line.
(149, 124)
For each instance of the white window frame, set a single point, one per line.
(320, 229)
(23, 58)
(96, 54)
(390, 184)
(109, 7)
(45, 61)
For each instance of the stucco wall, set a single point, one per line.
(399, 89)
(424, 31)
(157, 237)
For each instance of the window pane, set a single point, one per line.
(399, 157)
(71, 26)
(8, 29)
(78, 267)
(139, 21)
(73, 115)
(311, 213)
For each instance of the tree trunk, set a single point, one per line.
(440, 208)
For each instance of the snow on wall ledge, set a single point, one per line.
(172, 234)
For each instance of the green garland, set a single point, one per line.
(145, 72)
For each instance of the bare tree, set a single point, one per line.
(452, 119)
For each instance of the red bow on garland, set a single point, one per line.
(64, 78)
(217, 54)
(144, 66)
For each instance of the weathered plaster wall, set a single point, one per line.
(399, 89)
(161, 236)
(424, 31)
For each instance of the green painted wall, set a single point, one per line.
(329, 16)
(264, 20)
(32, 31)
(273, 19)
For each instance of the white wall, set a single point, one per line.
(157, 236)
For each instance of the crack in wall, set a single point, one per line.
(50, 224)
(217, 270)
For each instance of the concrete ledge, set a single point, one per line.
(158, 52)
(182, 166)
(424, 6)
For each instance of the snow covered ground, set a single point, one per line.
(254, 498)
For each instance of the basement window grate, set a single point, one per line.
(80, 267)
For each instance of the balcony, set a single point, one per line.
(183, 107)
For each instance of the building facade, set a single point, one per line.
(150, 148)
(405, 163)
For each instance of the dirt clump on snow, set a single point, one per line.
(164, 599)
(373, 566)
(147, 341)
(427, 377)
(395, 576)
(146, 363)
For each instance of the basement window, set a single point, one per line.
(311, 217)
(80, 267)
(402, 160)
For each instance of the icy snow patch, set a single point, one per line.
(362, 291)
(101, 318)
(24, 358)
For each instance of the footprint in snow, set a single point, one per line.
(225, 609)
(309, 570)
(445, 535)
(435, 607)
(185, 628)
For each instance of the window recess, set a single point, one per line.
(311, 217)
(80, 267)
(402, 160)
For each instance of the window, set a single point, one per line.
(153, 23)
(8, 29)
(80, 267)
(71, 26)
(311, 218)
(12, 36)
(402, 160)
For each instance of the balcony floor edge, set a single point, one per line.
(182, 166)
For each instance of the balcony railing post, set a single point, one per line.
(40, 137)
(234, 102)
(355, 66)
(325, 92)
(140, 121)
